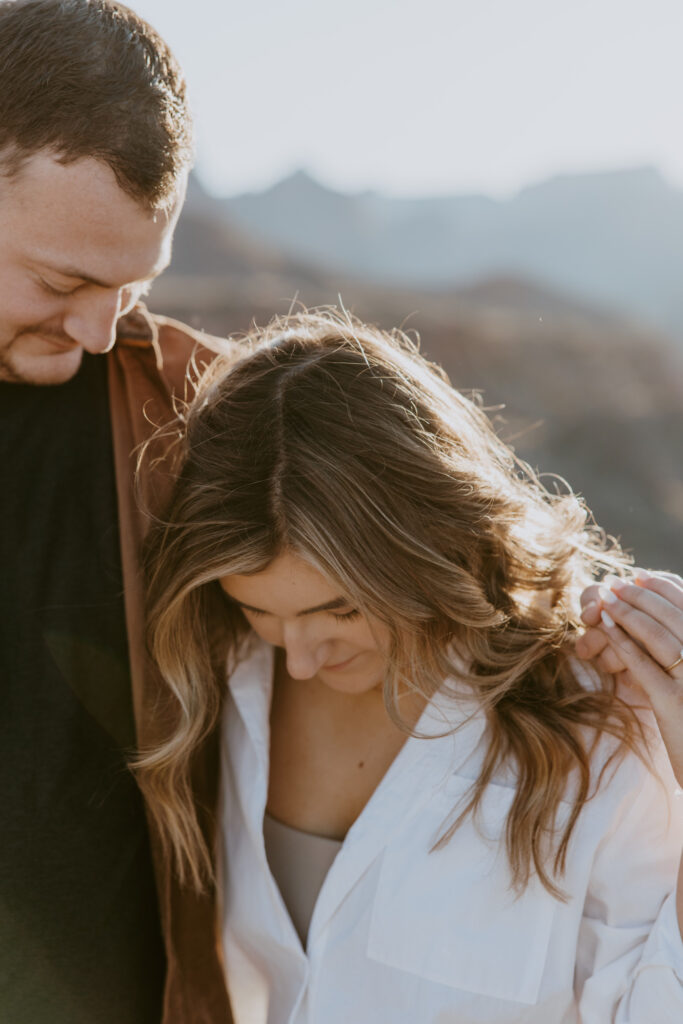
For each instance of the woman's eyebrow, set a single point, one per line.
(329, 606)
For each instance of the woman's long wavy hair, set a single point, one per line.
(339, 442)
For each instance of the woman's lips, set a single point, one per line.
(339, 665)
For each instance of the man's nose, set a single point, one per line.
(91, 319)
(305, 652)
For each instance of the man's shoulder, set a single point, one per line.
(143, 330)
(152, 371)
(174, 347)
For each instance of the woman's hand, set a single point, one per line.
(636, 632)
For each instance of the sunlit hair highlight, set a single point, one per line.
(339, 442)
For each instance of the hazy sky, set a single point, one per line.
(416, 97)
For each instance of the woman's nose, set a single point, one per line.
(305, 652)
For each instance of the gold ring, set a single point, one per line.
(678, 661)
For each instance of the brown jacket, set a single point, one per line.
(146, 369)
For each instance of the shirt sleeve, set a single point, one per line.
(630, 952)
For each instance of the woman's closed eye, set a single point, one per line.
(339, 616)
(346, 616)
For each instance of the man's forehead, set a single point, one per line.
(48, 170)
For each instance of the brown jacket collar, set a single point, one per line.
(147, 370)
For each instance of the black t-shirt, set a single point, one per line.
(80, 938)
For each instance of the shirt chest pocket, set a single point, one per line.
(450, 916)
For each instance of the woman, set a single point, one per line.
(430, 811)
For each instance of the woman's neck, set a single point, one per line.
(329, 751)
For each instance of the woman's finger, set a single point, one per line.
(662, 598)
(664, 689)
(667, 585)
(650, 618)
(656, 574)
(590, 613)
(658, 594)
(591, 643)
(648, 651)
(609, 660)
(589, 596)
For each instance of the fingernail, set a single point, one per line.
(589, 613)
(642, 574)
(607, 619)
(615, 583)
(606, 596)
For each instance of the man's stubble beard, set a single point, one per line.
(11, 375)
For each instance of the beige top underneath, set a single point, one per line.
(299, 862)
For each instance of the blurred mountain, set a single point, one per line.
(612, 239)
(579, 391)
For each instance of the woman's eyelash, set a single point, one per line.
(339, 616)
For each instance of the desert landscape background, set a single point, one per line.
(563, 306)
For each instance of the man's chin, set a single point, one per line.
(41, 370)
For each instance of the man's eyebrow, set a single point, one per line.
(329, 606)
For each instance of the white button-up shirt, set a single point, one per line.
(403, 934)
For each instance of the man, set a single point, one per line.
(95, 147)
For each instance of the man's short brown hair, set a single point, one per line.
(89, 78)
